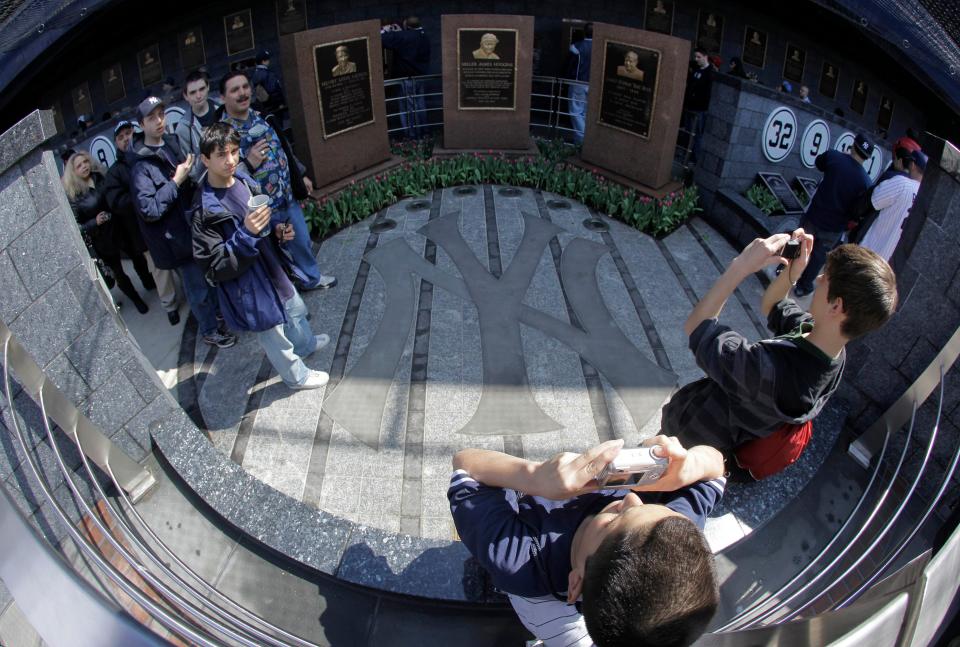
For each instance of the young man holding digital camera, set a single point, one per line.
(549, 537)
(752, 389)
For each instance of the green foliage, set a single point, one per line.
(801, 196)
(420, 176)
(763, 199)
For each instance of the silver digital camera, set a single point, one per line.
(632, 467)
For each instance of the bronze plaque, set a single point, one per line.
(858, 99)
(82, 105)
(754, 47)
(709, 31)
(344, 87)
(629, 88)
(829, 75)
(885, 115)
(659, 16)
(487, 69)
(57, 117)
(190, 44)
(291, 16)
(113, 88)
(793, 63)
(238, 29)
(151, 71)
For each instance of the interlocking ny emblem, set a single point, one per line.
(507, 405)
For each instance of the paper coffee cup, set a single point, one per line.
(254, 203)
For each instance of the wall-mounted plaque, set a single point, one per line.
(344, 87)
(858, 98)
(291, 16)
(82, 105)
(885, 115)
(815, 140)
(829, 74)
(57, 117)
(238, 29)
(628, 91)
(709, 31)
(808, 185)
(659, 16)
(487, 69)
(779, 134)
(151, 70)
(190, 44)
(754, 47)
(779, 187)
(793, 63)
(113, 88)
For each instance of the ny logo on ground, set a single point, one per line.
(507, 404)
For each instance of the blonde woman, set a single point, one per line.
(83, 184)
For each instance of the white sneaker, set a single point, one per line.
(319, 341)
(315, 379)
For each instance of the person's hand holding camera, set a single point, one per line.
(686, 466)
(568, 474)
(256, 220)
(798, 264)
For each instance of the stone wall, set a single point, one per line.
(58, 309)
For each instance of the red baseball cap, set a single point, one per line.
(907, 143)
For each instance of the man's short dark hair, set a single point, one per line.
(216, 137)
(193, 77)
(650, 587)
(230, 75)
(588, 30)
(411, 22)
(700, 50)
(867, 285)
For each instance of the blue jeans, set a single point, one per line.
(414, 112)
(696, 124)
(823, 242)
(285, 344)
(578, 110)
(299, 247)
(201, 297)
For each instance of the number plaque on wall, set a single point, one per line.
(779, 134)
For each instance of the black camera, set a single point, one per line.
(790, 249)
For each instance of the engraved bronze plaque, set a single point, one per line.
(829, 74)
(113, 88)
(710, 31)
(793, 63)
(342, 70)
(238, 29)
(82, 105)
(858, 98)
(190, 44)
(151, 70)
(885, 115)
(754, 47)
(291, 16)
(628, 91)
(487, 69)
(659, 16)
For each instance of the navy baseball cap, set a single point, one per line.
(123, 123)
(148, 105)
(920, 159)
(263, 54)
(863, 146)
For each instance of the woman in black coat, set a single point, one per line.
(83, 183)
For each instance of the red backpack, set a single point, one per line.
(771, 454)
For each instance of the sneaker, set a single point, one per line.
(173, 317)
(220, 340)
(319, 341)
(315, 379)
(325, 282)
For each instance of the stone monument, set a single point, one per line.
(335, 89)
(487, 76)
(637, 79)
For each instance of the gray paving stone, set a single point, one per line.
(17, 211)
(40, 255)
(113, 404)
(40, 170)
(135, 434)
(5, 596)
(87, 292)
(14, 296)
(24, 136)
(143, 378)
(101, 352)
(65, 377)
(50, 324)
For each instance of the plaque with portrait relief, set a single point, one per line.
(291, 16)
(858, 98)
(885, 114)
(754, 47)
(190, 45)
(238, 29)
(829, 75)
(659, 16)
(82, 104)
(793, 63)
(113, 88)
(344, 86)
(709, 31)
(487, 69)
(151, 70)
(628, 90)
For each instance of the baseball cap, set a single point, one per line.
(863, 146)
(920, 159)
(906, 143)
(262, 54)
(123, 123)
(148, 105)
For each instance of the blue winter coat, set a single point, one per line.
(161, 205)
(237, 263)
